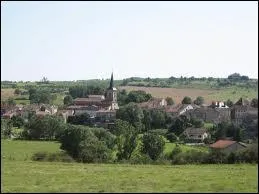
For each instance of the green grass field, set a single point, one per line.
(20, 174)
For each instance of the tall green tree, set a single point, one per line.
(126, 139)
(132, 114)
(68, 100)
(169, 101)
(199, 100)
(153, 145)
(186, 100)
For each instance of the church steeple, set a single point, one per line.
(111, 82)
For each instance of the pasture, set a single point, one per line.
(209, 95)
(20, 174)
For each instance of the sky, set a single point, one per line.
(80, 40)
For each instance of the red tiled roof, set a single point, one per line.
(222, 143)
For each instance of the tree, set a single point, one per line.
(229, 103)
(197, 123)
(169, 101)
(82, 119)
(147, 120)
(11, 102)
(68, 100)
(158, 119)
(186, 100)
(17, 121)
(153, 145)
(17, 91)
(171, 137)
(126, 139)
(71, 138)
(138, 96)
(199, 100)
(6, 128)
(93, 150)
(132, 114)
(49, 127)
(180, 124)
(254, 102)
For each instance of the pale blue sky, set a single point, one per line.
(86, 40)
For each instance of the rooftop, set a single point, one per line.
(224, 144)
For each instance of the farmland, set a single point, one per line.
(232, 93)
(20, 174)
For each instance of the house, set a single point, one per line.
(90, 109)
(179, 109)
(154, 103)
(227, 146)
(108, 102)
(41, 114)
(105, 116)
(207, 114)
(198, 134)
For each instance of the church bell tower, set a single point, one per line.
(112, 95)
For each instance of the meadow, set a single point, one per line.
(20, 174)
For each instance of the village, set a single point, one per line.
(102, 113)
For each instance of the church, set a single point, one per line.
(96, 105)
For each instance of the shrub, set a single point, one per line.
(161, 132)
(177, 150)
(39, 156)
(231, 158)
(140, 159)
(171, 137)
(52, 157)
(93, 150)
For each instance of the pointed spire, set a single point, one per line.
(111, 82)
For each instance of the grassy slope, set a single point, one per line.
(19, 174)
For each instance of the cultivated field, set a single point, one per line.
(19, 174)
(7, 93)
(177, 94)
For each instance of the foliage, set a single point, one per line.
(49, 127)
(80, 91)
(199, 100)
(138, 96)
(92, 150)
(226, 129)
(17, 91)
(186, 100)
(197, 123)
(52, 157)
(41, 96)
(132, 114)
(161, 132)
(81, 119)
(180, 124)
(17, 121)
(171, 137)
(158, 119)
(229, 103)
(169, 101)
(153, 145)
(11, 102)
(6, 128)
(105, 136)
(254, 102)
(83, 145)
(126, 138)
